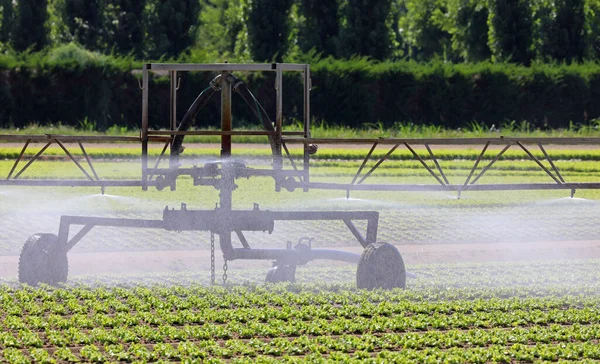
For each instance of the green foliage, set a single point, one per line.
(523, 311)
(69, 83)
(171, 27)
(85, 22)
(30, 25)
(366, 31)
(6, 26)
(592, 28)
(319, 26)
(467, 23)
(563, 36)
(74, 55)
(511, 30)
(426, 30)
(221, 28)
(130, 29)
(269, 27)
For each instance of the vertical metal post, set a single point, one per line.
(225, 115)
(173, 100)
(372, 226)
(277, 158)
(225, 199)
(144, 131)
(227, 176)
(307, 87)
(63, 231)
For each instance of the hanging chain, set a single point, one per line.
(225, 272)
(212, 258)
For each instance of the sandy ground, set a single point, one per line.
(195, 260)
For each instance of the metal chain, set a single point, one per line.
(225, 272)
(212, 258)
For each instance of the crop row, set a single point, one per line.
(71, 337)
(471, 287)
(325, 152)
(154, 310)
(206, 325)
(344, 349)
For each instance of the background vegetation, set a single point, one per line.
(437, 62)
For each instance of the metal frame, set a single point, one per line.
(223, 220)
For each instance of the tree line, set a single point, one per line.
(518, 31)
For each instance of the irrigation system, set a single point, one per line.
(44, 256)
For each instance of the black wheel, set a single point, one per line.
(381, 266)
(281, 273)
(43, 261)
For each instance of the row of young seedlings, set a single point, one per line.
(273, 323)
(432, 286)
(307, 349)
(350, 308)
(83, 330)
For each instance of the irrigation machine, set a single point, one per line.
(43, 258)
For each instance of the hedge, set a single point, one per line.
(105, 91)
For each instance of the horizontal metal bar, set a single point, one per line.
(290, 254)
(443, 141)
(211, 67)
(218, 67)
(111, 221)
(72, 183)
(432, 188)
(292, 66)
(340, 255)
(211, 132)
(66, 138)
(242, 173)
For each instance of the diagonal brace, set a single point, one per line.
(436, 163)
(538, 163)
(424, 164)
(19, 158)
(35, 157)
(74, 160)
(496, 158)
(383, 159)
(361, 239)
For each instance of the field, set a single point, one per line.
(500, 277)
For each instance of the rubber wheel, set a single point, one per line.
(381, 266)
(43, 261)
(282, 273)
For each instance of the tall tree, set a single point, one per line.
(424, 26)
(366, 31)
(85, 21)
(30, 25)
(592, 9)
(171, 25)
(469, 29)
(6, 26)
(269, 27)
(511, 30)
(320, 26)
(221, 22)
(129, 35)
(565, 38)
